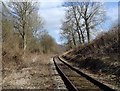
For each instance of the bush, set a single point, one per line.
(95, 65)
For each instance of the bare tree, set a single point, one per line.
(69, 29)
(68, 32)
(93, 15)
(8, 35)
(47, 42)
(76, 21)
(26, 19)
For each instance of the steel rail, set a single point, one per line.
(102, 86)
(67, 82)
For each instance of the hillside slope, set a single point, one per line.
(99, 57)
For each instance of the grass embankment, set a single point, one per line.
(99, 57)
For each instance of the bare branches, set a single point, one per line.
(25, 20)
(85, 17)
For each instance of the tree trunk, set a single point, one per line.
(119, 39)
(24, 37)
(25, 43)
(78, 32)
(79, 37)
(73, 37)
(88, 35)
(77, 24)
(88, 31)
(83, 40)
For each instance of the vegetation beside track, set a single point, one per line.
(101, 56)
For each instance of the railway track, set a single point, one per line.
(75, 80)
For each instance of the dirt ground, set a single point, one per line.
(36, 74)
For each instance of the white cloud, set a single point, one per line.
(53, 13)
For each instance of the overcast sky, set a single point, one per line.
(53, 14)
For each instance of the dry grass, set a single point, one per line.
(35, 75)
